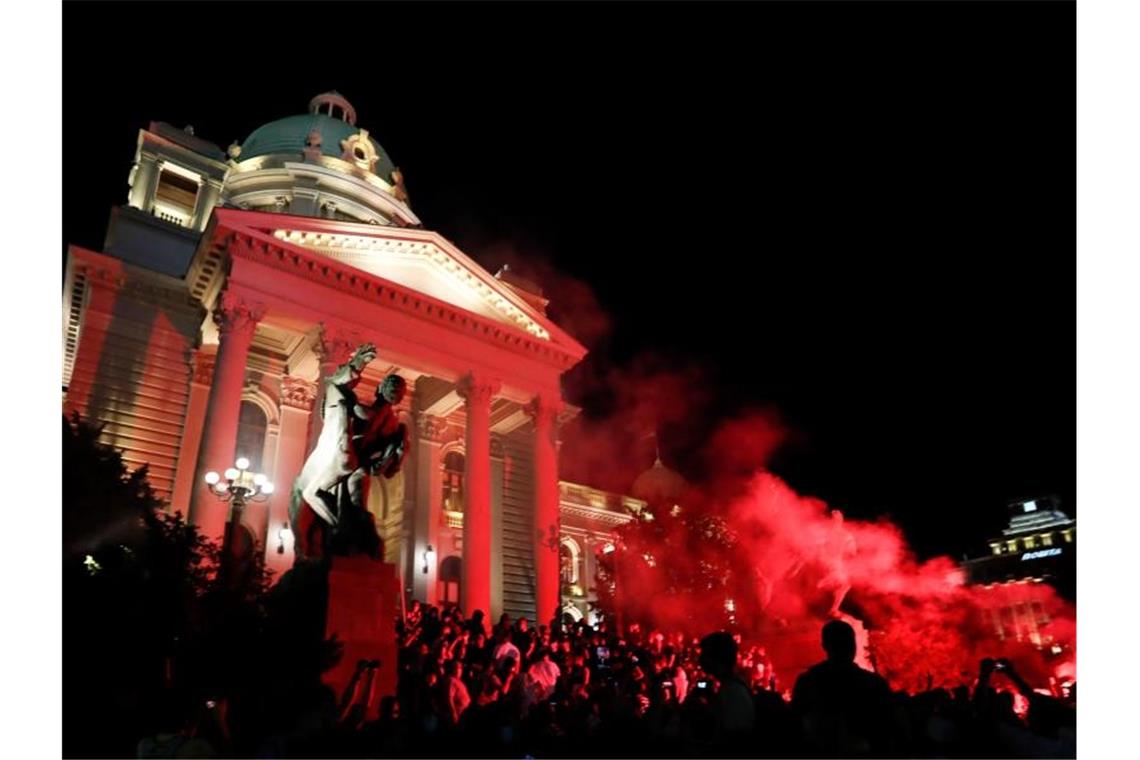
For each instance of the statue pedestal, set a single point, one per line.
(362, 610)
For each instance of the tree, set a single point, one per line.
(142, 614)
(674, 568)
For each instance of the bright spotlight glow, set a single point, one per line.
(259, 479)
(220, 487)
(231, 474)
(212, 477)
(242, 463)
(267, 487)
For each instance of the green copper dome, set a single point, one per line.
(289, 136)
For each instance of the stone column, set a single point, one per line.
(333, 348)
(428, 487)
(202, 365)
(476, 578)
(208, 193)
(236, 319)
(145, 182)
(544, 411)
(296, 406)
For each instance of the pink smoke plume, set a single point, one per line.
(748, 551)
(926, 623)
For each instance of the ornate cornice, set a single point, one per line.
(297, 393)
(324, 271)
(236, 314)
(594, 514)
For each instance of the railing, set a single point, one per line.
(453, 519)
(168, 215)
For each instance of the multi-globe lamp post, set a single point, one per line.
(237, 486)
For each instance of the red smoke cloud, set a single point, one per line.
(746, 540)
(923, 619)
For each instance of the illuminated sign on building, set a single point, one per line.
(1040, 554)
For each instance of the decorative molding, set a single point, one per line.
(335, 345)
(477, 391)
(298, 393)
(203, 365)
(236, 314)
(360, 247)
(358, 151)
(431, 428)
(544, 412)
(603, 516)
(322, 270)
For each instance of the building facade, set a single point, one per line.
(1038, 546)
(232, 282)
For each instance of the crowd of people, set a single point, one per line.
(468, 687)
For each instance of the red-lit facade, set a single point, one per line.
(232, 282)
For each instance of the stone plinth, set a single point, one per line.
(362, 610)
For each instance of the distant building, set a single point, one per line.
(1040, 542)
(1037, 547)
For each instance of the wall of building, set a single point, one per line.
(518, 524)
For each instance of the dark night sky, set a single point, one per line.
(860, 214)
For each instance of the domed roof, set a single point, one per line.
(658, 485)
(290, 135)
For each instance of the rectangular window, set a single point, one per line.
(1046, 539)
(1030, 542)
(175, 196)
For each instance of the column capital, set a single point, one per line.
(477, 390)
(234, 313)
(544, 410)
(334, 344)
(430, 428)
(298, 393)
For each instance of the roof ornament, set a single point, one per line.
(398, 189)
(333, 105)
(360, 151)
(312, 149)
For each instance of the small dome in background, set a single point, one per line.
(659, 485)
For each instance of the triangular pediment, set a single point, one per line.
(420, 260)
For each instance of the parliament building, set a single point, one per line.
(232, 281)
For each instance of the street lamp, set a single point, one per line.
(238, 486)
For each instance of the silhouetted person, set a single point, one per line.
(733, 710)
(476, 625)
(844, 711)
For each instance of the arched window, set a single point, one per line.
(453, 482)
(568, 557)
(251, 434)
(450, 571)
